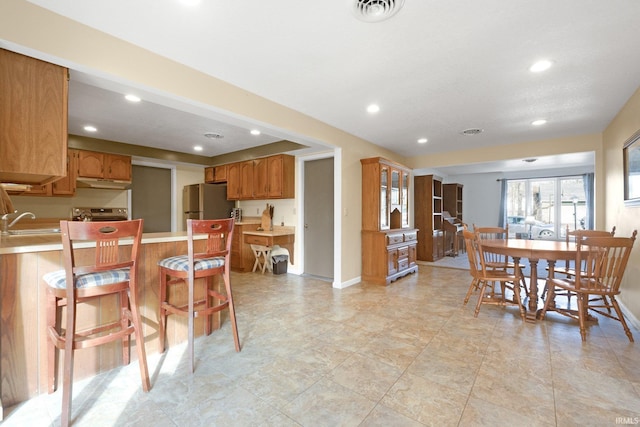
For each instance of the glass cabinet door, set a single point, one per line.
(395, 187)
(405, 200)
(384, 197)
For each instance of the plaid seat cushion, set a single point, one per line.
(57, 279)
(181, 263)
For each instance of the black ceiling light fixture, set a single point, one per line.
(376, 10)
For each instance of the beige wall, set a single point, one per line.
(71, 44)
(626, 219)
(68, 43)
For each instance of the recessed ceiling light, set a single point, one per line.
(422, 141)
(255, 132)
(213, 135)
(538, 122)
(373, 108)
(132, 98)
(90, 128)
(190, 2)
(540, 66)
(197, 148)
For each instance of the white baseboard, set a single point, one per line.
(348, 283)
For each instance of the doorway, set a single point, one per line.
(151, 197)
(318, 218)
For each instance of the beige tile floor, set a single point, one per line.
(404, 355)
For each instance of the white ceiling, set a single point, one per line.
(435, 69)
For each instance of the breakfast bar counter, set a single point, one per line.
(24, 260)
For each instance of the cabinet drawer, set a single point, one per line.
(395, 238)
(408, 237)
(403, 252)
(256, 240)
(403, 264)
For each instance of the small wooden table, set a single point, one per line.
(281, 237)
(533, 250)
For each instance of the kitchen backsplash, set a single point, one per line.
(284, 210)
(60, 207)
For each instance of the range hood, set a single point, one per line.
(105, 184)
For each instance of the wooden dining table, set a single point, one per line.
(533, 250)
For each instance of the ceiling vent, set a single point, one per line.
(471, 132)
(376, 10)
(213, 135)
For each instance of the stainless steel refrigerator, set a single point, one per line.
(206, 201)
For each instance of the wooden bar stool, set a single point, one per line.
(111, 270)
(185, 269)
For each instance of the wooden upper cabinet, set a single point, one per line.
(92, 164)
(233, 181)
(270, 177)
(208, 175)
(117, 167)
(215, 174)
(281, 177)
(261, 174)
(67, 186)
(246, 180)
(33, 119)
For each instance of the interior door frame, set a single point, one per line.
(337, 208)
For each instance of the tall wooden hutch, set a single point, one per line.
(428, 217)
(388, 243)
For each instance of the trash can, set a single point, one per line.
(280, 260)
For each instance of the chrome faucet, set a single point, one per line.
(4, 221)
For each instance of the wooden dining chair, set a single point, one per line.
(213, 261)
(603, 261)
(498, 261)
(109, 267)
(568, 269)
(487, 277)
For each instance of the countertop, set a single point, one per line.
(277, 231)
(52, 242)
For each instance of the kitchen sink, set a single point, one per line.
(31, 231)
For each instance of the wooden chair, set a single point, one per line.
(603, 261)
(568, 269)
(110, 269)
(497, 261)
(485, 276)
(185, 269)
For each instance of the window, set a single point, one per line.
(543, 208)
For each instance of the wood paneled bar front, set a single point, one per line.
(23, 262)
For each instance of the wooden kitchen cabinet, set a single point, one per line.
(33, 119)
(261, 178)
(117, 167)
(242, 258)
(246, 180)
(93, 164)
(233, 181)
(281, 177)
(388, 244)
(62, 187)
(215, 174)
(270, 177)
(67, 186)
